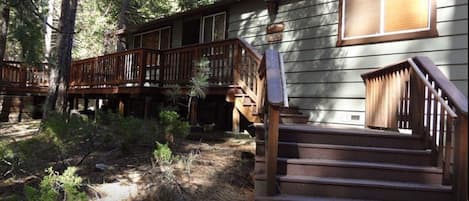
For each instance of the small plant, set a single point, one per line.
(173, 126)
(198, 85)
(54, 186)
(163, 154)
(188, 161)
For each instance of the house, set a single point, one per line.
(328, 49)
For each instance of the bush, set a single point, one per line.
(173, 126)
(162, 154)
(53, 186)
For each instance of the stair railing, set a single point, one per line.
(272, 65)
(414, 94)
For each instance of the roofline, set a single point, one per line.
(160, 21)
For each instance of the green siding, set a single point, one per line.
(324, 80)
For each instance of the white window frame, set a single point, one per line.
(202, 25)
(382, 18)
(159, 36)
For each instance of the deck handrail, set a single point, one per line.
(277, 97)
(414, 94)
(20, 74)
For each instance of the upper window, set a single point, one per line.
(369, 21)
(213, 27)
(155, 39)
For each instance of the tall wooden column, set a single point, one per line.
(236, 119)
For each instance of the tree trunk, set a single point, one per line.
(122, 24)
(49, 31)
(5, 19)
(59, 76)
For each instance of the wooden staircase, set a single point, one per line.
(319, 163)
(297, 162)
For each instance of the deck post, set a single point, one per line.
(236, 119)
(121, 106)
(147, 107)
(236, 63)
(85, 107)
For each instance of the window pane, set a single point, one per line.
(208, 23)
(165, 39)
(405, 15)
(150, 40)
(219, 32)
(361, 17)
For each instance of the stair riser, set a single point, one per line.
(316, 170)
(344, 139)
(294, 120)
(294, 151)
(356, 192)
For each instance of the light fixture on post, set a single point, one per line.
(272, 6)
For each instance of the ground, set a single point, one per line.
(215, 169)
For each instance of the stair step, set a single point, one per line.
(350, 153)
(342, 136)
(291, 118)
(359, 188)
(354, 170)
(302, 198)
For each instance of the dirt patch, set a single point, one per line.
(220, 169)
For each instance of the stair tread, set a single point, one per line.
(356, 148)
(343, 131)
(365, 183)
(356, 164)
(285, 197)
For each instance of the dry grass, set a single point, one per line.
(206, 170)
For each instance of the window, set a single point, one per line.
(155, 39)
(369, 21)
(213, 27)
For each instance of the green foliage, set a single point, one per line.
(190, 4)
(26, 32)
(199, 83)
(162, 153)
(173, 125)
(53, 184)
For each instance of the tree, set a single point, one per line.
(59, 74)
(4, 21)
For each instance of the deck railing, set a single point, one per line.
(18, 74)
(276, 97)
(415, 95)
(231, 62)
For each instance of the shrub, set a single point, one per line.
(162, 154)
(173, 126)
(53, 184)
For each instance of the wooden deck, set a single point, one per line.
(142, 71)
(19, 78)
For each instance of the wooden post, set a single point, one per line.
(121, 106)
(193, 112)
(272, 149)
(460, 158)
(141, 65)
(417, 98)
(147, 107)
(236, 118)
(236, 63)
(86, 104)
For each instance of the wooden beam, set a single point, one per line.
(272, 149)
(236, 119)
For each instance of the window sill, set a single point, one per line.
(388, 38)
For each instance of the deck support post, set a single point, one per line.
(121, 107)
(146, 111)
(86, 104)
(236, 119)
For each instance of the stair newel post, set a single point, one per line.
(460, 158)
(272, 149)
(417, 97)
